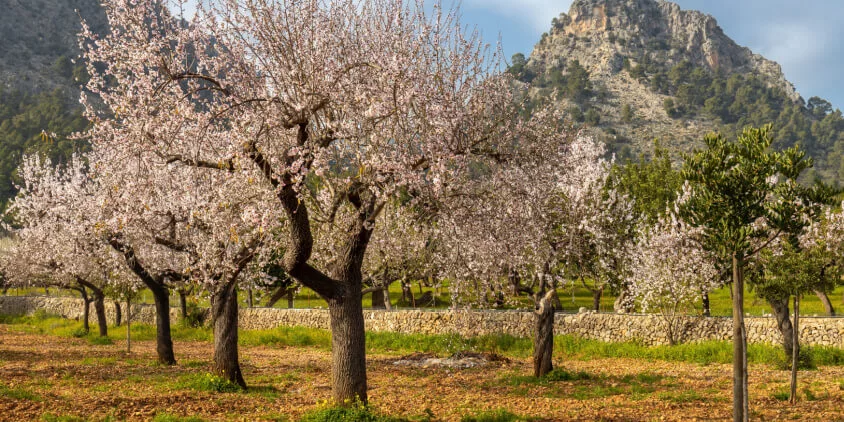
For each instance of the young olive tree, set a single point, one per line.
(377, 97)
(743, 196)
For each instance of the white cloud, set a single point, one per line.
(537, 13)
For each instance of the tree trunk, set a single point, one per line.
(543, 340)
(707, 311)
(99, 308)
(290, 299)
(183, 304)
(407, 294)
(118, 314)
(250, 298)
(795, 350)
(781, 313)
(348, 347)
(164, 343)
(596, 299)
(128, 325)
(827, 304)
(387, 304)
(378, 299)
(86, 303)
(623, 304)
(740, 399)
(224, 314)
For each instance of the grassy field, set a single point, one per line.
(571, 297)
(50, 371)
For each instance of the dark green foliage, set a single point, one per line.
(668, 106)
(651, 182)
(732, 189)
(576, 114)
(209, 382)
(499, 415)
(592, 117)
(23, 117)
(626, 113)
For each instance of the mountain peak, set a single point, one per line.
(600, 33)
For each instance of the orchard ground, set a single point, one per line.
(51, 371)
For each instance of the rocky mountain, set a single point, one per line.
(39, 41)
(631, 71)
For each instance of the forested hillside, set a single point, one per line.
(39, 80)
(634, 70)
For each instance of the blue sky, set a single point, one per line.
(805, 37)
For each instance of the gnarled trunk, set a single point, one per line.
(740, 399)
(224, 314)
(163, 340)
(543, 339)
(99, 309)
(348, 348)
(378, 299)
(827, 304)
(623, 304)
(781, 313)
(596, 298)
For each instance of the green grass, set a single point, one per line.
(566, 346)
(49, 417)
(166, 417)
(680, 396)
(16, 393)
(499, 415)
(207, 382)
(348, 414)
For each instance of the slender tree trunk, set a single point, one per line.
(280, 293)
(348, 348)
(827, 304)
(596, 298)
(224, 313)
(183, 305)
(99, 308)
(623, 304)
(128, 325)
(164, 342)
(118, 314)
(740, 399)
(543, 340)
(378, 299)
(795, 350)
(781, 313)
(86, 303)
(705, 302)
(387, 304)
(250, 298)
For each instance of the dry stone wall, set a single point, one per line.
(647, 329)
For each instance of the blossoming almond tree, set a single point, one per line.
(528, 214)
(55, 245)
(376, 96)
(670, 272)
